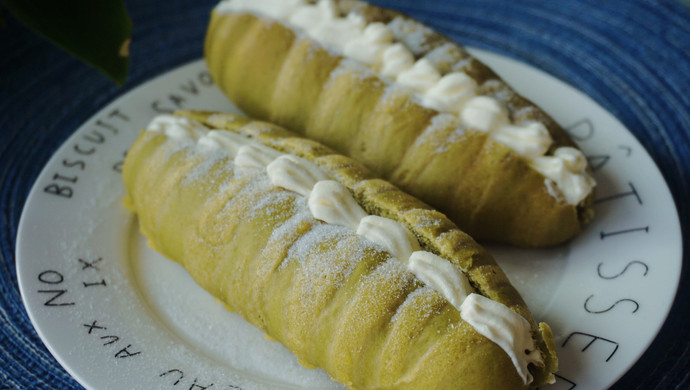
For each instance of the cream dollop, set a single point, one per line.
(420, 78)
(530, 141)
(295, 174)
(488, 115)
(504, 327)
(174, 128)
(257, 156)
(568, 169)
(369, 46)
(332, 203)
(396, 238)
(450, 93)
(337, 32)
(439, 274)
(396, 59)
(308, 17)
(484, 113)
(322, 22)
(218, 139)
(278, 10)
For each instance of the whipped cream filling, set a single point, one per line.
(564, 168)
(439, 274)
(375, 45)
(331, 202)
(396, 238)
(504, 327)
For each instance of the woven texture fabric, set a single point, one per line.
(632, 57)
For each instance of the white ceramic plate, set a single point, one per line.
(117, 315)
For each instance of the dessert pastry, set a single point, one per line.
(411, 105)
(348, 272)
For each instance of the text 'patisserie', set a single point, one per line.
(331, 202)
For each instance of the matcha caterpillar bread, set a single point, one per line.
(349, 273)
(411, 105)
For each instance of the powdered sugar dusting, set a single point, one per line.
(396, 277)
(285, 229)
(444, 54)
(201, 170)
(444, 130)
(413, 34)
(352, 68)
(424, 299)
(323, 272)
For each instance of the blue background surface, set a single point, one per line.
(632, 57)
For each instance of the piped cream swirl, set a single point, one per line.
(332, 203)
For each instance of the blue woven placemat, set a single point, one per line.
(632, 57)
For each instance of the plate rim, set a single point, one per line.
(35, 191)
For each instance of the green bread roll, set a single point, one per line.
(291, 63)
(336, 298)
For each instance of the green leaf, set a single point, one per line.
(95, 31)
